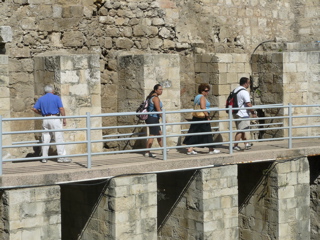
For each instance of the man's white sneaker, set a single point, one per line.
(64, 160)
(237, 148)
(44, 160)
(150, 155)
(215, 151)
(248, 146)
(192, 153)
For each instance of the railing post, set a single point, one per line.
(88, 125)
(290, 126)
(164, 133)
(1, 145)
(230, 129)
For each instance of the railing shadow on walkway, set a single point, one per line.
(288, 126)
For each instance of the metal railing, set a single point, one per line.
(224, 126)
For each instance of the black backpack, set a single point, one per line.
(233, 101)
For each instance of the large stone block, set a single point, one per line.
(5, 34)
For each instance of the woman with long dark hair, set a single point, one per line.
(201, 99)
(155, 105)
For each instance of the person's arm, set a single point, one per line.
(203, 103)
(253, 112)
(36, 111)
(156, 102)
(63, 113)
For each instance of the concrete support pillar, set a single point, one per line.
(137, 76)
(278, 207)
(292, 191)
(5, 102)
(31, 213)
(127, 210)
(208, 207)
(76, 79)
(220, 202)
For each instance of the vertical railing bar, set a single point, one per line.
(230, 130)
(1, 162)
(88, 139)
(290, 126)
(164, 135)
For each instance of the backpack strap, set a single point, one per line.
(237, 94)
(240, 90)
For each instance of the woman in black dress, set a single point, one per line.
(201, 100)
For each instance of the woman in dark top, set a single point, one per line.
(201, 100)
(155, 105)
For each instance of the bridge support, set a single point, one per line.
(207, 208)
(31, 213)
(123, 208)
(277, 205)
(269, 200)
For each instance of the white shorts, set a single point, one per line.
(243, 124)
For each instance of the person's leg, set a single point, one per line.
(237, 138)
(244, 138)
(159, 139)
(45, 139)
(58, 136)
(149, 142)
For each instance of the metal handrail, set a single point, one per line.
(229, 132)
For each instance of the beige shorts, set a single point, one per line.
(243, 124)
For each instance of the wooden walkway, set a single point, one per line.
(35, 173)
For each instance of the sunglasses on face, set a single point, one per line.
(206, 90)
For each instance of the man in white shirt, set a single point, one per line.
(243, 98)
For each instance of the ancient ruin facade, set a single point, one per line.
(214, 41)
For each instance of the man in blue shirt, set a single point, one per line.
(49, 106)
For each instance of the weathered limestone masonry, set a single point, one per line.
(77, 80)
(207, 209)
(108, 28)
(289, 76)
(223, 72)
(314, 197)
(278, 207)
(5, 37)
(127, 210)
(31, 213)
(137, 76)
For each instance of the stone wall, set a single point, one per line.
(277, 207)
(31, 213)
(162, 26)
(207, 207)
(76, 79)
(5, 102)
(122, 208)
(222, 72)
(288, 76)
(137, 76)
(314, 197)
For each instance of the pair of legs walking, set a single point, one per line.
(53, 124)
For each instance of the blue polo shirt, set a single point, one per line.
(48, 104)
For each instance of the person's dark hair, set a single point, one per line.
(154, 90)
(243, 81)
(203, 87)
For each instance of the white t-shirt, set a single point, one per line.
(243, 97)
